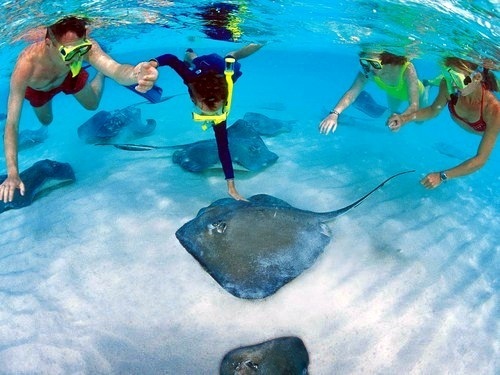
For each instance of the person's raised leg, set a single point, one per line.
(90, 96)
(44, 113)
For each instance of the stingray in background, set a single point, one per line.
(104, 125)
(29, 138)
(365, 103)
(254, 248)
(39, 179)
(246, 146)
(451, 151)
(267, 126)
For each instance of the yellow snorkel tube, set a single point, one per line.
(76, 66)
(212, 120)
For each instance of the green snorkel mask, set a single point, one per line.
(456, 81)
(68, 53)
(212, 120)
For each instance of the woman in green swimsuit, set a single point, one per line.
(393, 74)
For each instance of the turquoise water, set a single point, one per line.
(93, 280)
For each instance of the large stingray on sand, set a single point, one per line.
(39, 179)
(254, 248)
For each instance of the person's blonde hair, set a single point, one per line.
(456, 62)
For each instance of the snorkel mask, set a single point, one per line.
(367, 64)
(69, 53)
(456, 81)
(211, 120)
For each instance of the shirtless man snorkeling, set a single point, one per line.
(54, 65)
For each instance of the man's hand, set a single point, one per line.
(146, 74)
(9, 186)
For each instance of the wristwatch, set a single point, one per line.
(443, 176)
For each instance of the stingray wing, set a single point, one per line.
(197, 157)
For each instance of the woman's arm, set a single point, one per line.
(329, 123)
(395, 122)
(491, 115)
(411, 78)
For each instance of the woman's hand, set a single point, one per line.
(395, 122)
(432, 180)
(329, 124)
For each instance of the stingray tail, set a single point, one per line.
(333, 214)
(136, 147)
(133, 147)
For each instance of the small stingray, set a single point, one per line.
(254, 248)
(273, 106)
(451, 151)
(197, 157)
(29, 138)
(39, 179)
(153, 95)
(365, 103)
(246, 147)
(104, 125)
(267, 126)
(283, 355)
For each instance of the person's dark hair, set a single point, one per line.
(388, 58)
(211, 87)
(490, 81)
(78, 25)
(489, 78)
